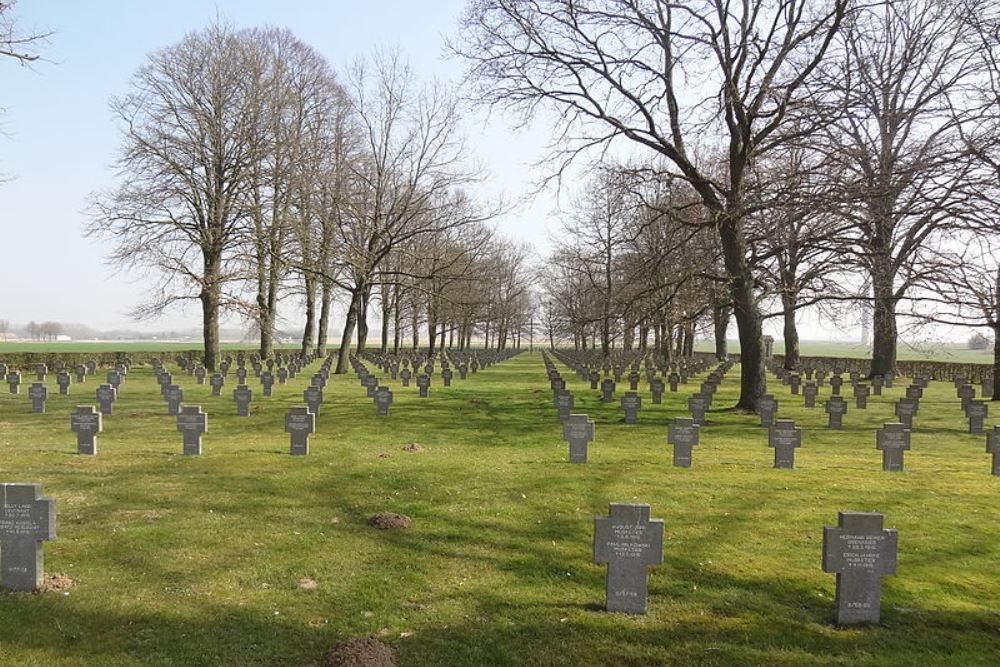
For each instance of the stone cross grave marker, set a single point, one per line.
(674, 379)
(192, 423)
(877, 385)
(86, 422)
(768, 409)
(199, 374)
(682, 433)
(607, 390)
(81, 373)
(313, 396)
(26, 519)
(217, 381)
(656, 388)
(628, 541)
(242, 395)
(836, 382)
(977, 413)
(282, 375)
(861, 393)
(14, 382)
(836, 407)
(38, 393)
(784, 437)
(966, 392)
(106, 397)
(423, 384)
(383, 399)
(241, 375)
(114, 379)
(41, 370)
(915, 391)
(579, 432)
(795, 382)
(174, 396)
(893, 439)
(698, 404)
(63, 380)
(370, 383)
(631, 402)
(267, 382)
(993, 447)
(564, 402)
(809, 391)
(906, 410)
(405, 376)
(860, 551)
(300, 423)
(446, 376)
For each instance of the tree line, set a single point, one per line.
(251, 173)
(782, 154)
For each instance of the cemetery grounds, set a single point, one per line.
(248, 556)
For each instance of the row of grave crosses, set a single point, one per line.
(858, 550)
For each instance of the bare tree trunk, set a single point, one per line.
(996, 359)
(344, 354)
(307, 330)
(720, 323)
(210, 323)
(362, 316)
(415, 322)
(386, 314)
(397, 322)
(323, 321)
(325, 306)
(792, 358)
(883, 323)
(748, 320)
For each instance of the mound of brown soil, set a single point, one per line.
(413, 447)
(56, 583)
(388, 520)
(361, 652)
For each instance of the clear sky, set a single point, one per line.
(61, 139)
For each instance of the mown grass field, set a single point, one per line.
(197, 560)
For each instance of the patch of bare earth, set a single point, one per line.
(389, 520)
(361, 652)
(413, 448)
(56, 583)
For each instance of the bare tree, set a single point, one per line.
(613, 69)
(966, 290)
(188, 145)
(16, 43)
(895, 147)
(408, 179)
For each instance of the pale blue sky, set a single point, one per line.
(61, 138)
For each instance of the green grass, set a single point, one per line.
(196, 561)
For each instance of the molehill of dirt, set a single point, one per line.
(389, 520)
(361, 652)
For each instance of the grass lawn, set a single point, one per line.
(198, 560)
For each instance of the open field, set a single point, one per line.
(924, 351)
(197, 560)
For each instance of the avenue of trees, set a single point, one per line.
(250, 173)
(783, 154)
(742, 161)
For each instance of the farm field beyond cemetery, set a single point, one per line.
(212, 560)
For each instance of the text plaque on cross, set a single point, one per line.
(860, 551)
(26, 518)
(628, 541)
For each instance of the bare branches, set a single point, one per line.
(16, 43)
